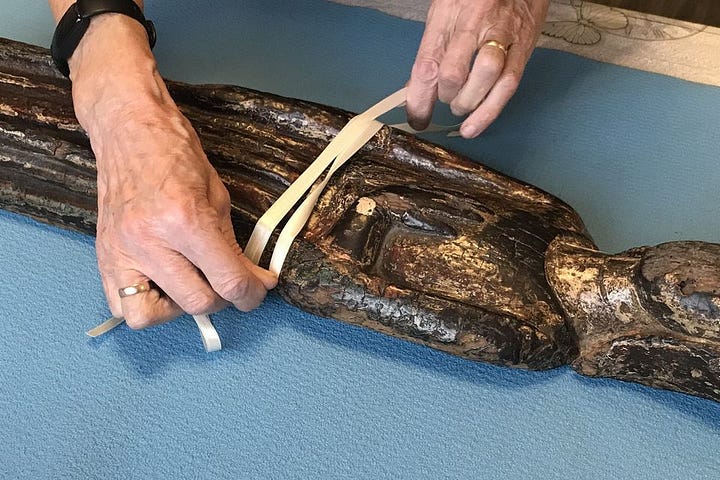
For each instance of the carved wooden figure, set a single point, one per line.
(408, 239)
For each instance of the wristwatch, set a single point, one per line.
(75, 22)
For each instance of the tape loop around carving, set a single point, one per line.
(301, 215)
(273, 216)
(358, 131)
(210, 338)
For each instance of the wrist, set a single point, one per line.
(113, 68)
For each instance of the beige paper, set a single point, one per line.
(621, 37)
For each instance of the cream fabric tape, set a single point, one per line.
(105, 327)
(300, 217)
(208, 334)
(210, 337)
(358, 131)
(277, 211)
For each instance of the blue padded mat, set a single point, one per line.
(297, 396)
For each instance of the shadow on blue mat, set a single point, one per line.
(357, 338)
(152, 351)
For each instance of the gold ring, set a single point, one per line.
(134, 289)
(496, 44)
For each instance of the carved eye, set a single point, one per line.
(429, 224)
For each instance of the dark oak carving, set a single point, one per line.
(408, 239)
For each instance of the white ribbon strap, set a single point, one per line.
(300, 217)
(105, 327)
(210, 337)
(358, 131)
(277, 211)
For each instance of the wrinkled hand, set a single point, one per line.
(163, 213)
(455, 32)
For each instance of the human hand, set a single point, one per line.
(455, 31)
(163, 213)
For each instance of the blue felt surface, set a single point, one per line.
(296, 396)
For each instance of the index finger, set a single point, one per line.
(229, 273)
(423, 84)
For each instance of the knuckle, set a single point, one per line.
(179, 215)
(132, 226)
(138, 320)
(199, 303)
(236, 248)
(426, 69)
(452, 75)
(489, 63)
(234, 289)
(461, 107)
(223, 194)
(222, 202)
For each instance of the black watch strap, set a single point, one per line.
(75, 22)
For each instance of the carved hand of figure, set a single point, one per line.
(471, 56)
(163, 213)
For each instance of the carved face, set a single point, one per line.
(438, 243)
(408, 238)
(461, 243)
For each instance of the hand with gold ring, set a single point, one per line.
(471, 56)
(165, 242)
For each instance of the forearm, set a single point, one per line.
(163, 212)
(111, 69)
